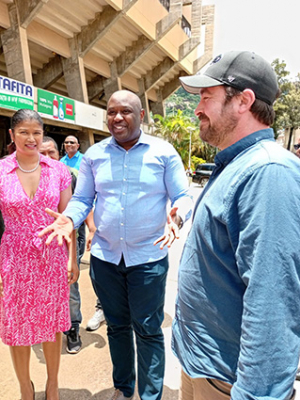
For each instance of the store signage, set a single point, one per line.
(55, 106)
(15, 95)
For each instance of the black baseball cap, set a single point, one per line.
(239, 69)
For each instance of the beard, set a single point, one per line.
(215, 133)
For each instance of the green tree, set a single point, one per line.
(285, 85)
(184, 101)
(181, 132)
(287, 106)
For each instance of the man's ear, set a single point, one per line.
(247, 98)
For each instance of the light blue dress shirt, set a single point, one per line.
(131, 190)
(238, 305)
(73, 162)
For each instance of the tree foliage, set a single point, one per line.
(184, 101)
(179, 130)
(287, 106)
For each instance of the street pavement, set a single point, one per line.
(87, 375)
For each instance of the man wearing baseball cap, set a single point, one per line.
(237, 325)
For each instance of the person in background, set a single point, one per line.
(73, 156)
(297, 148)
(49, 148)
(236, 330)
(74, 344)
(131, 175)
(34, 278)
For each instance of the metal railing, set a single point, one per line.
(186, 26)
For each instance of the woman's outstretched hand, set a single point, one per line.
(61, 228)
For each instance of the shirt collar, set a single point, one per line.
(76, 155)
(12, 161)
(143, 139)
(225, 156)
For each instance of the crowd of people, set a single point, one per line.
(236, 330)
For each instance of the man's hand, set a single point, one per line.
(171, 230)
(89, 239)
(61, 228)
(1, 287)
(73, 272)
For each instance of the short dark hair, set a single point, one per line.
(24, 115)
(262, 111)
(50, 139)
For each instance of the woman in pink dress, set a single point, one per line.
(34, 277)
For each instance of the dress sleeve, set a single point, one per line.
(65, 177)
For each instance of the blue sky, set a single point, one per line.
(270, 28)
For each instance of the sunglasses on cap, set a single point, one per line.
(297, 146)
(69, 142)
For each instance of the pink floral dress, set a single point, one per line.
(35, 304)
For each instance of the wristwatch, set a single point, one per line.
(180, 222)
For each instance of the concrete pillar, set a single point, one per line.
(85, 139)
(158, 106)
(15, 49)
(112, 84)
(144, 99)
(74, 74)
(196, 18)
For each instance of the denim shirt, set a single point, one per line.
(238, 304)
(131, 189)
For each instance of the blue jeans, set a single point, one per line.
(75, 300)
(133, 301)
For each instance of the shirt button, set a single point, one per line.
(123, 194)
(121, 238)
(122, 223)
(124, 179)
(125, 166)
(122, 208)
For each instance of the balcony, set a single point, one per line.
(185, 25)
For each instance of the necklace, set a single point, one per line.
(30, 170)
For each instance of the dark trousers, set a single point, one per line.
(75, 299)
(133, 301)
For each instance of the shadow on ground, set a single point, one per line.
(84, 394)
(88, 339)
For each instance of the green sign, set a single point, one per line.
(54, 106)
(15, 95)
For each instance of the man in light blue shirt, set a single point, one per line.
(132, 176)
(236, 330)
(73, 157)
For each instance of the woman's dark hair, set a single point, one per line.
(24, 115)
(20, 116)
